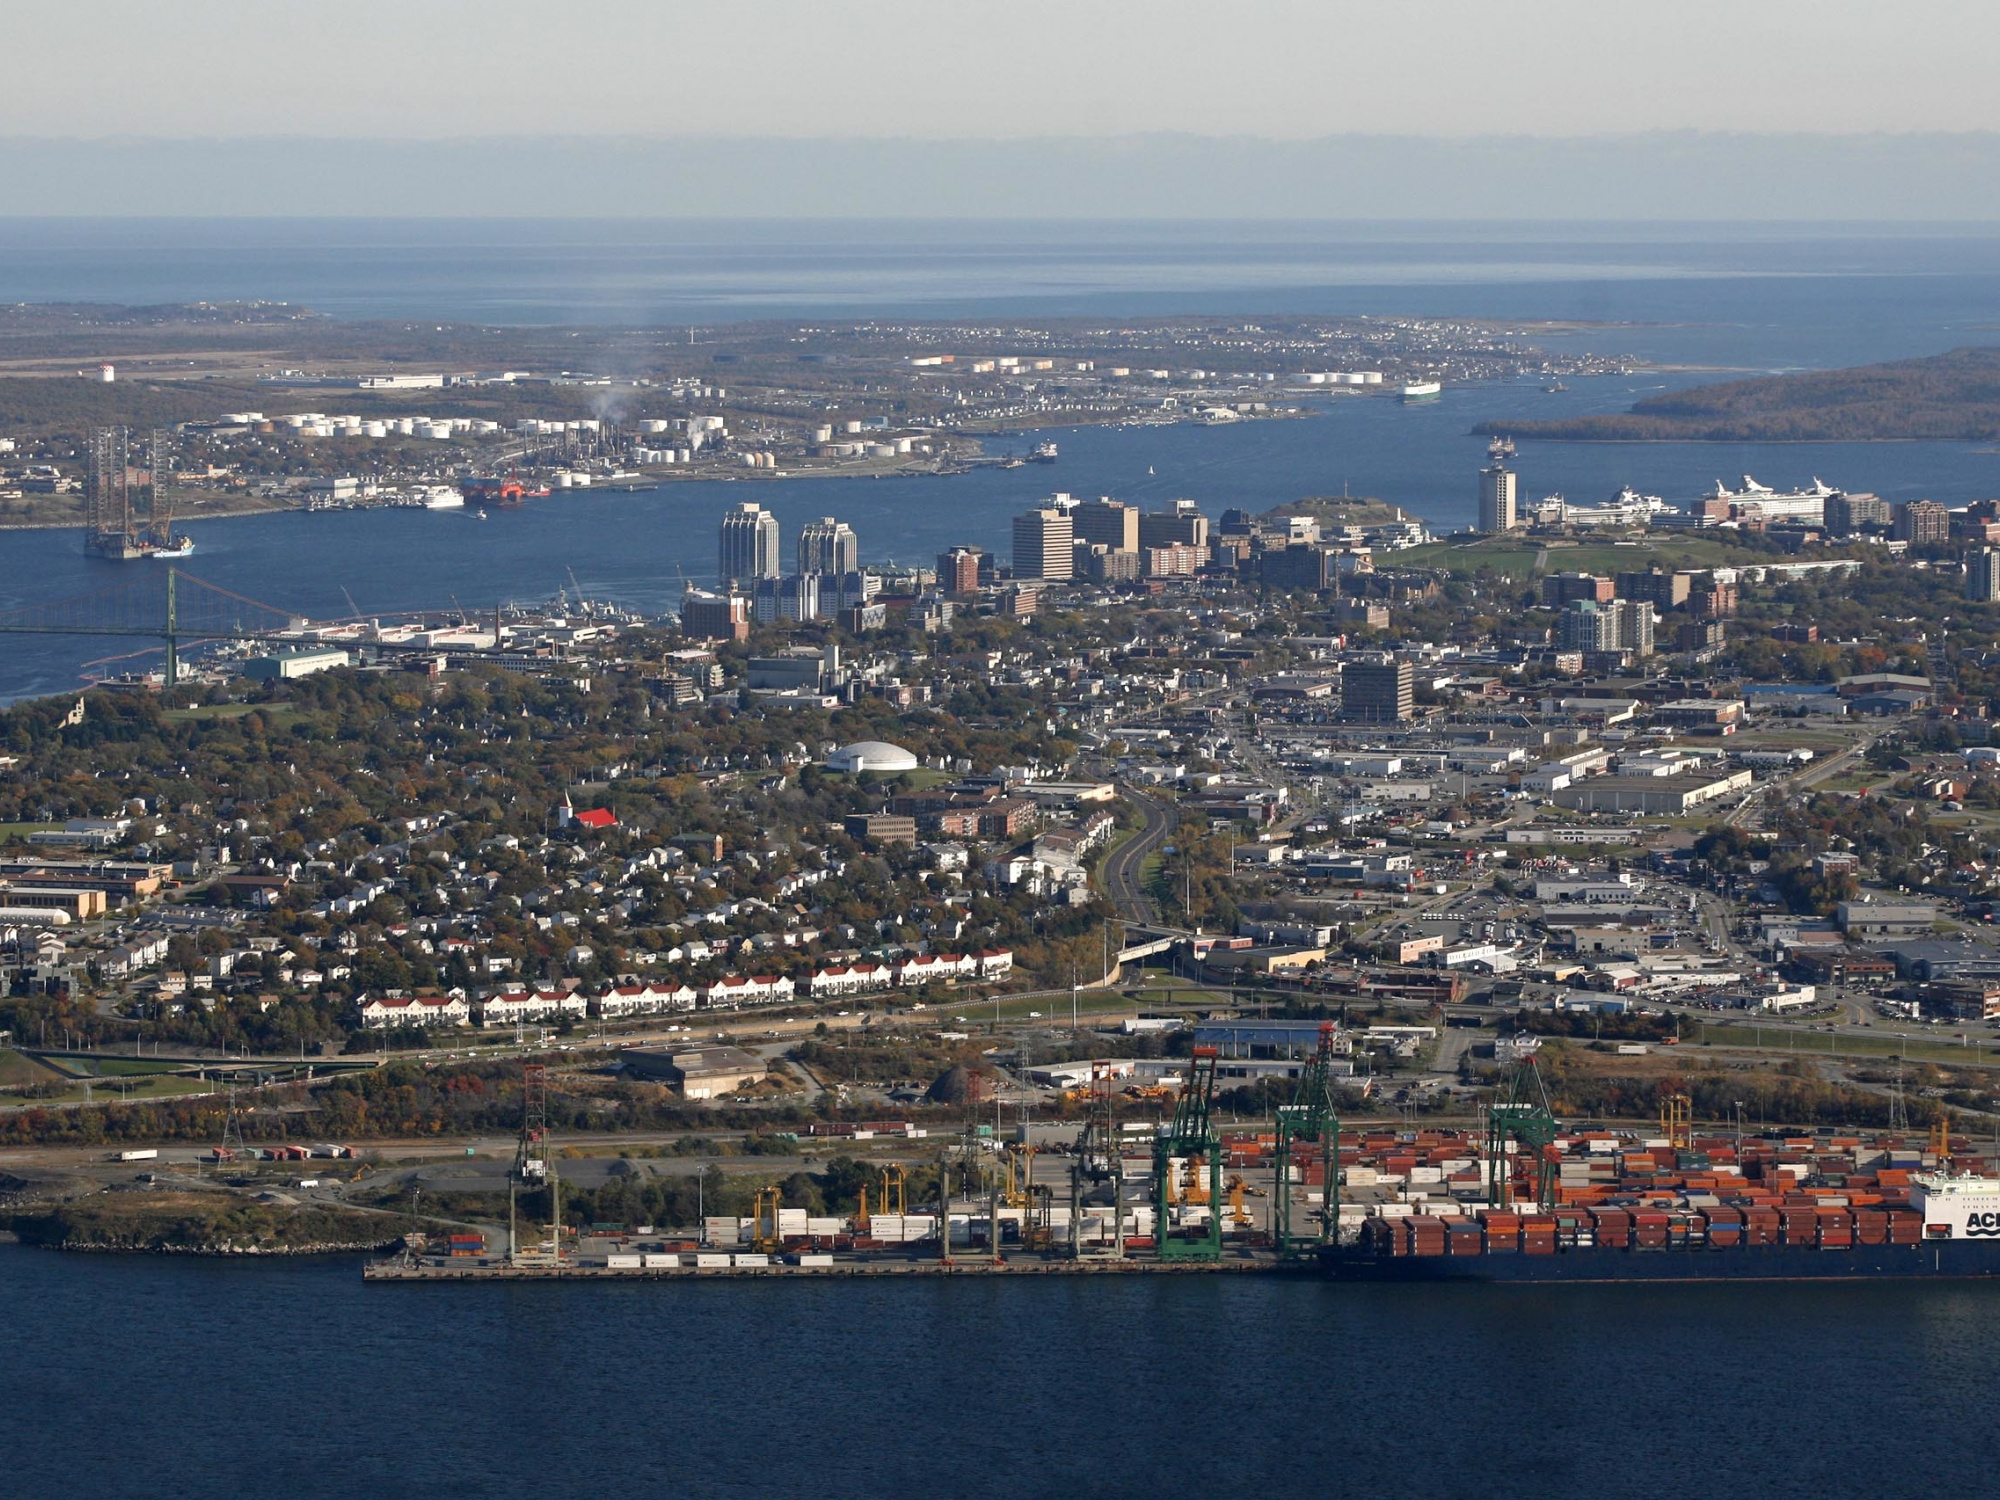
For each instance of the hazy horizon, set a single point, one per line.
(1654, 177)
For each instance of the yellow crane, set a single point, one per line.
(1239, 1217)
(1940, 1139)
(893, 1184)
(1677, 1121)
(1020, 1175)
(764, 1219)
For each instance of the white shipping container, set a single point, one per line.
(623, 1262)
(711, 1262)
(820, 1226)
(821, 1262)
(753, 1260)
(667, 1262)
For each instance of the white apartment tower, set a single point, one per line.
(1499, 502)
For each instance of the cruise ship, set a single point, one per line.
(1759, 502)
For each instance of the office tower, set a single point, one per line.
(793, 598)
(1043, 544)
(1662, 590)
(1587, 626)
(1107, 523)
(829, 546)
(1633, 625)
(749, 548)
(1565, 588)
(1499, 508)
(1922, 523)
(715, 617)
(1845, 514)
(1184, 523)
(1982, 575)
(1377, 692)
(958, 570)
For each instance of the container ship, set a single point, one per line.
(1603, 1206)
(1950, 1229)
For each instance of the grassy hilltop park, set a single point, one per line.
(1939, 398)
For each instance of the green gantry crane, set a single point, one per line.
(1520, 1108)
(1191, 1139)
(1310, 1117)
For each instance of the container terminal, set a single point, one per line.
(1520, 1198)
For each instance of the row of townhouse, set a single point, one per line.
(859, 978)
(503, 1008)
(731, 992)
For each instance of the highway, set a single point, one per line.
(1123, 868)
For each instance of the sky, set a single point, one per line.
(995, 69)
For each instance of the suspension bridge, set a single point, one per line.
(164, 604)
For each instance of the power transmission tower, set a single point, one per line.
(534, 1166)
(232, 1130)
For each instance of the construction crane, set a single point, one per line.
(1189, 1139)
(1677, 1121)
(1520, 1109)
(1310, 1117)
(1239, 1217)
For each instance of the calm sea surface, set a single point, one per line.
(163, 1377)
(638, 548)
(1716, 297)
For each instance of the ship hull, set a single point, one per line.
(1947, 1259)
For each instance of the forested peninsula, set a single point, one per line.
(1941, 397)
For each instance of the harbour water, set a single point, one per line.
(638, 548)
(131, 1376)
(1706, 300)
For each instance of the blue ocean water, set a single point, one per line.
(1706, 300)
(638, 549)
(143, 1377)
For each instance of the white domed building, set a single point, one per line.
(871, 755)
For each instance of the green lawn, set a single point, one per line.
(118, 1091)
(17, 1071)
(22, 830)
(280, 715)
(92, 1065)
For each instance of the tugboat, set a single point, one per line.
(1043, 453)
